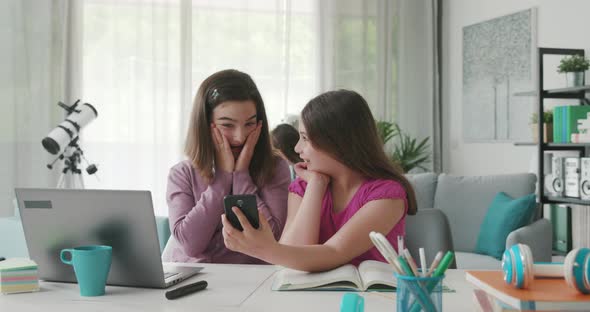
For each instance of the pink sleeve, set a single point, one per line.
(298, 187)
(386, 189)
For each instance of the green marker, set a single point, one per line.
(405, 266)
(444, 264)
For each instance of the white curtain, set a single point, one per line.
(389, 52)
(356, 42)
(418, 52)
(33, 78)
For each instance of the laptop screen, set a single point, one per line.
(54, 219)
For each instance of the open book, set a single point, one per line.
(370, 276)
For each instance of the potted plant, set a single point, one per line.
(547, 127)
(574, 67)
(407, 151)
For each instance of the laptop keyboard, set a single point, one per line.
(169, 274)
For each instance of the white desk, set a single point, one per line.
(231, 288)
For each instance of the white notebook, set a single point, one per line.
(370, 276)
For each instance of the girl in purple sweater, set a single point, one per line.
(229, 152)
(347, 187)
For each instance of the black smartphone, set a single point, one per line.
(247, 204)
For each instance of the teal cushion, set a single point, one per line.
(504, 215)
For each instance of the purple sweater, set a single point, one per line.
(195, 210)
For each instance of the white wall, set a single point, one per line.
(561, 24)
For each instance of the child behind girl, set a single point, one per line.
(284, 139)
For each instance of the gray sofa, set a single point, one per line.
(452, 208)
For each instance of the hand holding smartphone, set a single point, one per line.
(247, 204)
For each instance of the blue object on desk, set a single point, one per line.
(412, 294)
(439, 272)
(352, 303)
(91, 265)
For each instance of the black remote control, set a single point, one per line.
(186, 289)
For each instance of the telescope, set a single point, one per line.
(77, 118)
(63, 141)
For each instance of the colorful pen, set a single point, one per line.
(435, 263)
(385, 248)
(405, 266)
(423, 261)
(411, 261)
(444, 264)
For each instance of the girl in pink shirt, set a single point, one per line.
(347, 187)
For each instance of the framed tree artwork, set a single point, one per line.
(498, 61)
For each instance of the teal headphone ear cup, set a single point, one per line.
(518, 266)
(578, 270)
(568, 265)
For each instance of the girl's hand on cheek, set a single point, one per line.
(310, 176)
(224, 159)
(245, 157)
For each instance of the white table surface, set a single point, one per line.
(231, 288)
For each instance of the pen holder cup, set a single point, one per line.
(419, 293)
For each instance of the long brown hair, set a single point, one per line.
(227, 85)
(340, 123)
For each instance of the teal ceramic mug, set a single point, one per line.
(91, 265)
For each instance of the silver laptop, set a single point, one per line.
(54, 219)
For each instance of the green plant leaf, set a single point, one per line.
(408, 153)
(547, 117)
(573, 63)
(387, 130)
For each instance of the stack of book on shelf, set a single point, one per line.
(583, 135)
(565, 121)
(18, 275)
(492, 294)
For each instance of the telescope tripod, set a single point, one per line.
(71, 176)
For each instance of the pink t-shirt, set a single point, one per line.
(373, 189)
